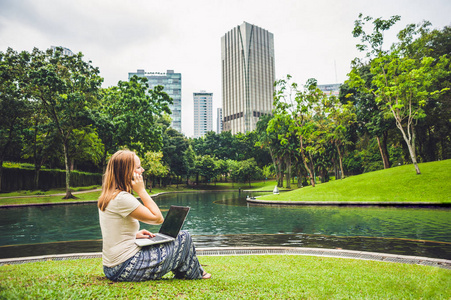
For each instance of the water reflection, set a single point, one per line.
(225, 219)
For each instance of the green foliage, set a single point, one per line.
(403, 83)
(174, 147)
(245, 171)
(128, 116)
(153, 165)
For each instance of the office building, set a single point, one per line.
(203, 113)
(330, 89)
(248, 75)
(172, 83)
(65, 51)
(219, 120)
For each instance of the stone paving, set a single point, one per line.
(232, 251)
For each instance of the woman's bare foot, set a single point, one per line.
(206, 275)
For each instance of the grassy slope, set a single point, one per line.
(234, 277)
(399, 184)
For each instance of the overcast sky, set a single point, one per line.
(312, 39)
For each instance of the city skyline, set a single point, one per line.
(312, 39)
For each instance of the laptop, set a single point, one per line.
(169, 229)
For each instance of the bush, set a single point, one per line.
(15, 179)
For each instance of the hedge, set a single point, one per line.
(15, 179)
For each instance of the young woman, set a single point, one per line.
(119, 213)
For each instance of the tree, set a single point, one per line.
(370, 117)
(403, 85)
(190, 162)
(129, 115)
(269, 139)
(207, 167)
(154, 167)
(222, 168)
(14, 104)
(41, 140)
(65, 86)
(174, 146)
(247, 170)
(280, 125)
(433, 131)
(298, 106)
(340, 117)
(85, 145)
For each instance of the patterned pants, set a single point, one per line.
(153, 262)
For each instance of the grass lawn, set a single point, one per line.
(398, 184)
(234, 277)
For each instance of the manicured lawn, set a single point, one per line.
(234, 277)
(398, 184)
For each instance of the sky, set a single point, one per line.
(312, 39)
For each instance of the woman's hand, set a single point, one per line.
(138, 183)
(144, 234)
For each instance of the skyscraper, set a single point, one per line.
(248, 76)
(219, 120)
(172, 83)
(203, 113)
(65, 51)
(330, 89)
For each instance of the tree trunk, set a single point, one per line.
(312, 179)
(299, 179)
(37, 170)
(383, 149)
(281, 174)
(274, 163)
(1, 174)
(103, 162)
(288, 163)
(66, 162)
(341, 161)
(410, 142)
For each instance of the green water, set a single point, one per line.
(221, 219)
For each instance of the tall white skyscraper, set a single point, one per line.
(203, 113)
(172, 83)
(219, 120)
(248, 75)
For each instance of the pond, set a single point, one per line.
(218, 219)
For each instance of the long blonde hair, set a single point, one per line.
(118, 177)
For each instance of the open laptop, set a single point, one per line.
(169, 229)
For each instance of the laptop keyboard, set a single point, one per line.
(158, 238)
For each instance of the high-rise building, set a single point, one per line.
(172, 83)
(65, 51)
(219, 120)
(248, 75)
(330, 89)
(203, 113)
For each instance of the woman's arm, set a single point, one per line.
(149, 212)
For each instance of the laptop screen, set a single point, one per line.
(174, 220)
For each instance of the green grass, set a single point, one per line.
(398, 184)
(48, 192)
(234, 277)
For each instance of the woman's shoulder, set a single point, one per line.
(125, 196)
(124, 201)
